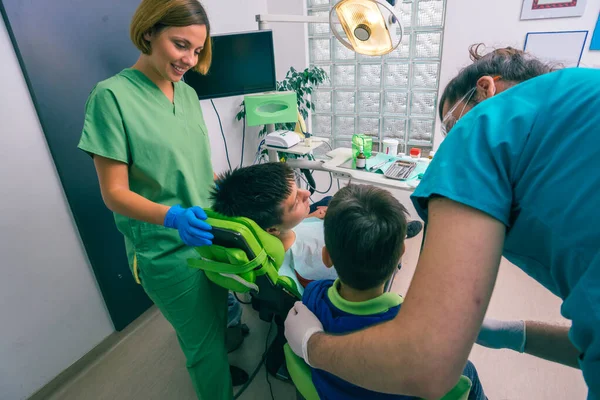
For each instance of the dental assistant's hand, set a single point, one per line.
(191, 224)
(497, 334)
(300, 325)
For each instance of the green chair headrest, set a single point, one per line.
(231, 268)
(256, 237)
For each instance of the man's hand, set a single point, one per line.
(300, 325)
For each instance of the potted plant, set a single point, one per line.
(301, 82)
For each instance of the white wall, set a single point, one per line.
(50, 307)
(289, 39)
(498, 24)
(231, 16)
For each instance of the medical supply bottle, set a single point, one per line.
(361, 160)
(307, 139)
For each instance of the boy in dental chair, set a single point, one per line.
(364, 240)
(268, 195)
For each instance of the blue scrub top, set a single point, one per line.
(530, 158)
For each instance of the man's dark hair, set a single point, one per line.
(256, 192)
(365, 228)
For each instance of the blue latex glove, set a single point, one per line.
(497, 334)
(190, 222)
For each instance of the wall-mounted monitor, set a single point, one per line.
(242, 63)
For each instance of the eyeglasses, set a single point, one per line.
(449, 119)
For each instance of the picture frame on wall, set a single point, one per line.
(543, 9)
(562, 48)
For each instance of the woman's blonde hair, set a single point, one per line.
(156, 15)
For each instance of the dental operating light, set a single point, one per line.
(369, 27)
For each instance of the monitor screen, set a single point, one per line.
(242, 63)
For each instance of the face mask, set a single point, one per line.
(450, 120)
(307, 251)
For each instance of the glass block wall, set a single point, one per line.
(394, 96)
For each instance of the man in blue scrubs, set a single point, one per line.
(519, 176)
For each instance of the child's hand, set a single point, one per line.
(319, 213)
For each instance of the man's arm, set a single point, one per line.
(548, 341)
(551, 342)
(423, 351)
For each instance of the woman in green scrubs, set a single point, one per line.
(146, 133)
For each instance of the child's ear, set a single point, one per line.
(326, 257)
(273, 231)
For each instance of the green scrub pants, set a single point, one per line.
(197, 309)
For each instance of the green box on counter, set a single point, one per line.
(363, 140)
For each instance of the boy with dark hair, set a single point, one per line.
(268, 195)
(265, 193)
(364, 232)
(365, 228)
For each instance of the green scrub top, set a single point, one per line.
(166, 147)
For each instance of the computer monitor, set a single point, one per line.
(242, 63)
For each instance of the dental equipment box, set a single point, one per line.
(282, 139)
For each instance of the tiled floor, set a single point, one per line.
(148, 364)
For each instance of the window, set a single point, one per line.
(393, 96)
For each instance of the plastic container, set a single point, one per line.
(415, 152)
(390, 147)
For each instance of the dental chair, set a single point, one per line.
(301, 375)
(246, 259)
